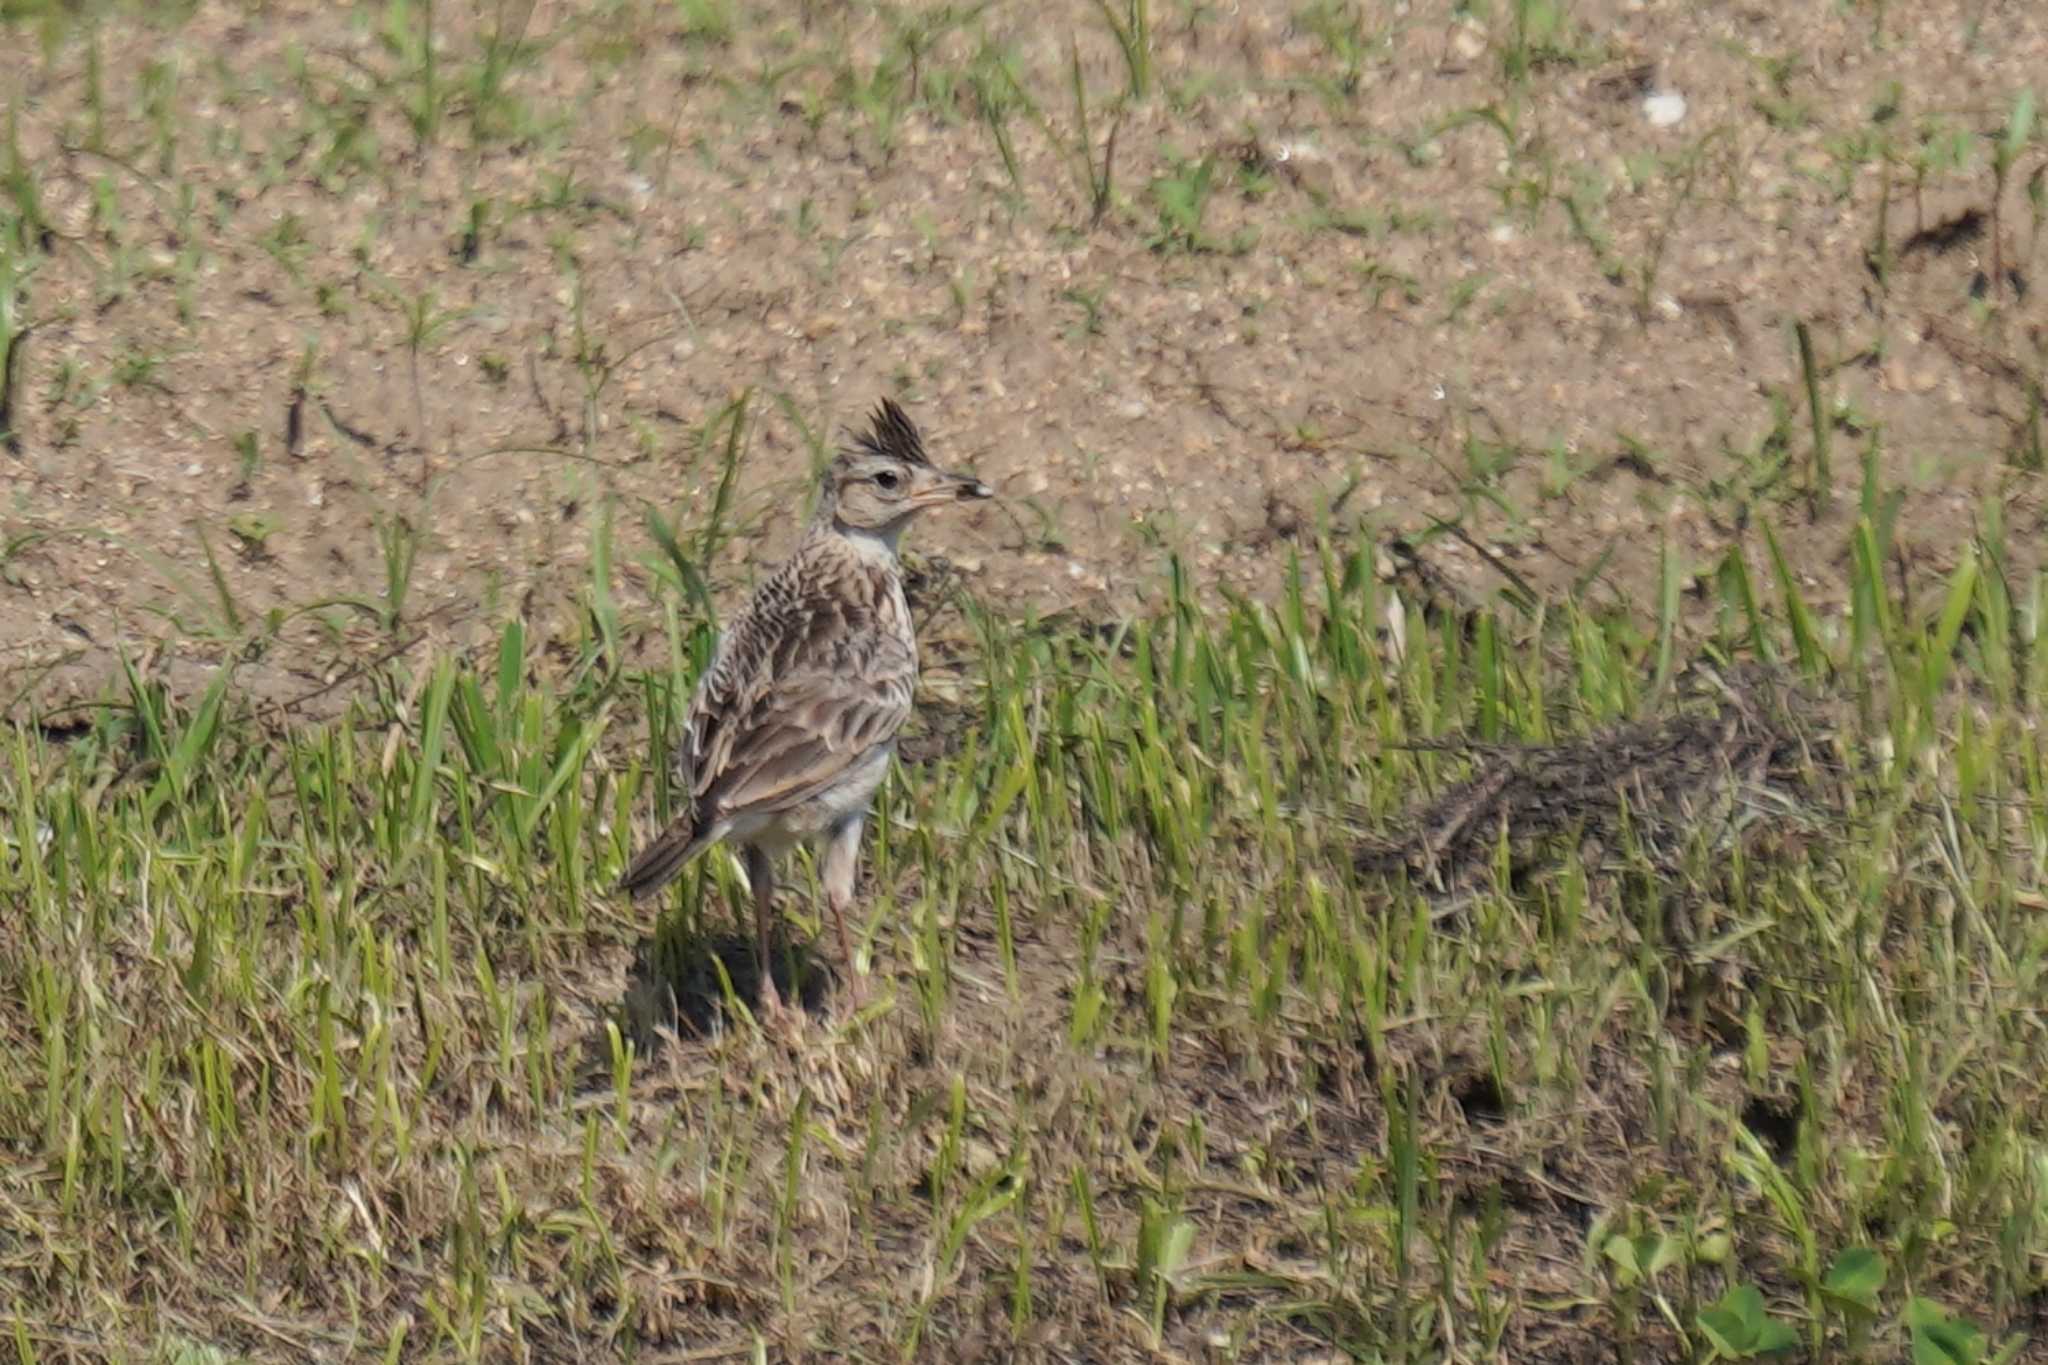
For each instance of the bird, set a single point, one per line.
(791, 727)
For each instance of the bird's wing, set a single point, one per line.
(808, 682)
(813, 674)
(809, 732)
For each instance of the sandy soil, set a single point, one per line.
(1430, 293)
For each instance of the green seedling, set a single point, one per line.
(1738, 1327)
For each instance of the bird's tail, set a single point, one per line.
(656, 865)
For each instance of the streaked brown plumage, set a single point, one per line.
(792, 726)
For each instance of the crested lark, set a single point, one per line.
(791, 727)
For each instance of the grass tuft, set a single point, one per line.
(321, 971)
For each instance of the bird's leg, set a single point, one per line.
(842, 866)
(761, 876)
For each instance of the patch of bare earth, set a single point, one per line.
(1429, 293)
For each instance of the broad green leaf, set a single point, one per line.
(1657, 1252)
(1620, 1250)
(1774, 1336)
(1855, 1277)
(1728, 1334)
(1939, 1339)
(1739, 1328)
(1734, 1323)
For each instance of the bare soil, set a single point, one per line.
(1385, 317)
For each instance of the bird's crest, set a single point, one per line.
(890, 432)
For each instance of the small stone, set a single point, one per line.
(1663, 108)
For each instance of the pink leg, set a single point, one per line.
(842, 866)
(761, 872)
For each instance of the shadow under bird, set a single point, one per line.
(791, 728)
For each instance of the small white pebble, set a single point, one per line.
(1133, 409)
(1502, 233)
(1663, 108)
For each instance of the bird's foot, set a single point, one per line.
(767, 999)
(856, 983)
(776, 1018)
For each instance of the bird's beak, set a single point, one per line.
(954, 488)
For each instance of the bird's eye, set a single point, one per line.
(886, 480)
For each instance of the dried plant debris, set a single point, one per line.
(1738, 756)
(1624, 83)
(1957, 230)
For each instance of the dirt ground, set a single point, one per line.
(271, 311)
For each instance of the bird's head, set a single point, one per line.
(884, 478)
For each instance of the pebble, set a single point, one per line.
(1663, 108)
